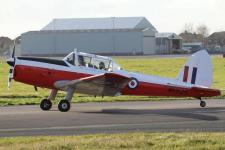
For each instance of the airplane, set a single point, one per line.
(101, 76)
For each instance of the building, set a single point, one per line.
(192, 47)
(5, 43)
(168, 43)
(108, 36)
(216, 42)
(194, 38)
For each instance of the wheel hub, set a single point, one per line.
(46, 104)
(64, 106)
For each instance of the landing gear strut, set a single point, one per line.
(63, 106)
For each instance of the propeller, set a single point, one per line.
(14, 48)
(11, 62)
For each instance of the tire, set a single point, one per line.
(64, 106)
(46, 104)
(202, 103)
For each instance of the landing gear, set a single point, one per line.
(202, 103)
(46, 104)
(64, 106)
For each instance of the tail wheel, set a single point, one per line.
(64, 106)
(46, 104)
(202, 103)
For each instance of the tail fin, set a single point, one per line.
(197, 70)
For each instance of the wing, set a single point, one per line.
(108, 84)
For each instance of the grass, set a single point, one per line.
(129, 141)
(21, 94)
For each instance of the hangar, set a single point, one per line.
(108, 36)
(167, 43)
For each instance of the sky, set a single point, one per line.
(19, 16)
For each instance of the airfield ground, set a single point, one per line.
(129, 141)
(21, 94)
(147, 125)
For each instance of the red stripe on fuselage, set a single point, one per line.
(43, 77)
(185, 78)
(152, 89)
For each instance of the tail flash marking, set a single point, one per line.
(185, 77)
(194, 73)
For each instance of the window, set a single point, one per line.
(98, 63)
(84, 60)
(114, 66)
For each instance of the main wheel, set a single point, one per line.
(46, 104)
(64, 106)
(202, 103)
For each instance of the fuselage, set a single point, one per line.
(42, 72)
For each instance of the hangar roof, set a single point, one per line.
(99, 23)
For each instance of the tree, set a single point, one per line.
(188, 28)
(203, 30)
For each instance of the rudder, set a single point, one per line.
(197, 70)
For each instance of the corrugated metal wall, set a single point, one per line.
(111, 43)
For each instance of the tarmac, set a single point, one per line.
(114, 117)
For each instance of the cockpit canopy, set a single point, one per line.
(92, 61)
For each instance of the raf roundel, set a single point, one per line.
(133, 84)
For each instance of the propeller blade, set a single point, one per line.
(11, 63)
(9, 83)
(14, 49)
(10, 76)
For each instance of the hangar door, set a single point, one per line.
(149, 45)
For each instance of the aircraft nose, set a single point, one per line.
(11, 62)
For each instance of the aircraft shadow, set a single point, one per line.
(194, 113)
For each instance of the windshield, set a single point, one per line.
(70, 58)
